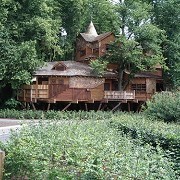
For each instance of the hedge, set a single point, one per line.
(155, 133)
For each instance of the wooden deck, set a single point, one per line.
(119, 95)
(50, 93)
(30, 93)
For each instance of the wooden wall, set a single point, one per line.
(96, 48)
(97, 94)
(102, 44)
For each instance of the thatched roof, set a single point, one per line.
(72, 68)
(91, 34)
(147, 75)
(92, 38)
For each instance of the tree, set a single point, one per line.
(18, 62)
(166, 14)
(138, 48)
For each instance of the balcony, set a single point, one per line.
(119, 95)
(32, 92)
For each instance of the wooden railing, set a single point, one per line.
(30, 92)
(118, 95)
(143, 96)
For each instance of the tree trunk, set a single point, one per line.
(120, 77)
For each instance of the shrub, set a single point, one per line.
(12, 103)
(85, 150)
(155, 133)
(165, 105)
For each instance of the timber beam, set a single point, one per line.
(66, 107)
(99, 108)
(116, 106)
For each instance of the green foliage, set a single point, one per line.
(152, 132)
(98, 66)
(164, 15)
(56, 115)
(12, 103)
(81, 150)
(138, 48)
(165, 106)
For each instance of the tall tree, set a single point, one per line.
(139, 45)
(167, 16)
(29, 32)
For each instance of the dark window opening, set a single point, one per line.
(82, 52)
(107, 86)
(159, 87)
(96, 51)
(139, 87)
(60, 67)
(107, 47)
(43, 80)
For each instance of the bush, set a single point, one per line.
(12, 103)
(155, 133)
(85, 150)
(58, 115)
(165, 105)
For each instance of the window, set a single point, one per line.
(139, 87)
(96, 51)
(106, 86)
(82, 52)
(42, 80)
(107, 47)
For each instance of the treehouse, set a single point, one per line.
(73, 82)
(90, 45)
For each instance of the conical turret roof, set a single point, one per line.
(91, 30)
(91, 34)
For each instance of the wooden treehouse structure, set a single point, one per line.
(73, 82)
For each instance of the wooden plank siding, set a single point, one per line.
(74, 95)
(97, 94)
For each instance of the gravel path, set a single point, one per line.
(9, 122)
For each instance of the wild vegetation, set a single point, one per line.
(97, 148)
(165, 106)
(92, 144)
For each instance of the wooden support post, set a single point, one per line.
(86, 107)
(2, 157)
(99, 106)
(116, 106)
(66, 107)
(104, 107)
(140, 106)
(34, 108)
(48, 107)
(129, 107)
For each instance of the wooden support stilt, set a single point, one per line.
(28, 106)
(66, 107)
(2, 156)
(129, 107)
(34, 108)
(140, 106)
(86, 107)
(116, 106)
(103, 107)
(48, 107)
(99, 106)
